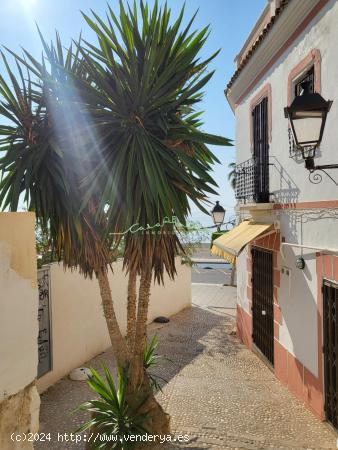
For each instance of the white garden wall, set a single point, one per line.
(78, 326)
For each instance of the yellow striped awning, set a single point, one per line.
(232, 243)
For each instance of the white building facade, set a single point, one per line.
(289, 315)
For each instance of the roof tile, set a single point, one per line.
(258, 42)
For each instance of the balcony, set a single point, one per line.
(252, 182)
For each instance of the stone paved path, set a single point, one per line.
(218, 393)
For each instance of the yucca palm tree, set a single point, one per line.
(155, 159)
(47, 149)
(232, 175)
(108, 136)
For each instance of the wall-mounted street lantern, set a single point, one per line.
(307, 115)
(218, 213)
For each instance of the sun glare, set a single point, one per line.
(28, 3)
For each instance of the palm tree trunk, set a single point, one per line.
(136, 369)
(117, 340)
(131, 311)
(157, 421)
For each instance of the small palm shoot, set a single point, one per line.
(152, 359)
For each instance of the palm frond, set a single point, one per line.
(155, 158)
(232, 175)
(103, 136)
(46, 154)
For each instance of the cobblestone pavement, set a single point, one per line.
(217, 392)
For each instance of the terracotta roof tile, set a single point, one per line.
(258, 42)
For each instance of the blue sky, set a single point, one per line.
(230, 21)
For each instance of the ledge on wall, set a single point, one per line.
(254, 206)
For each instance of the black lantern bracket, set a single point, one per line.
(315, 177)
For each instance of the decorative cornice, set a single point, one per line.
(277, 39)
(258, 42)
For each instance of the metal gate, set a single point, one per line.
(44, 316)
(261, 151)
(262, 301)
(330, 312)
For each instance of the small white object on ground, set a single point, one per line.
(80, 374)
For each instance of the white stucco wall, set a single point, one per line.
(298, 292)
(242, 281)
(289, 181)
(298, 330)
(78, 326)
(288, 178)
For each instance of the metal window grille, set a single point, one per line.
(245, 180)
(262, 302)
(44, 317)
(330, 310)
(252, 176)
(261, 151)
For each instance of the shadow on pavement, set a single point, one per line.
(180, 341)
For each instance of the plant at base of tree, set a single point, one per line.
(112, 422)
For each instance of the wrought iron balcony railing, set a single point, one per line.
(252, 181)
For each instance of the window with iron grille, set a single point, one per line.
(309, 76)
(261, 150)
(252, 176)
